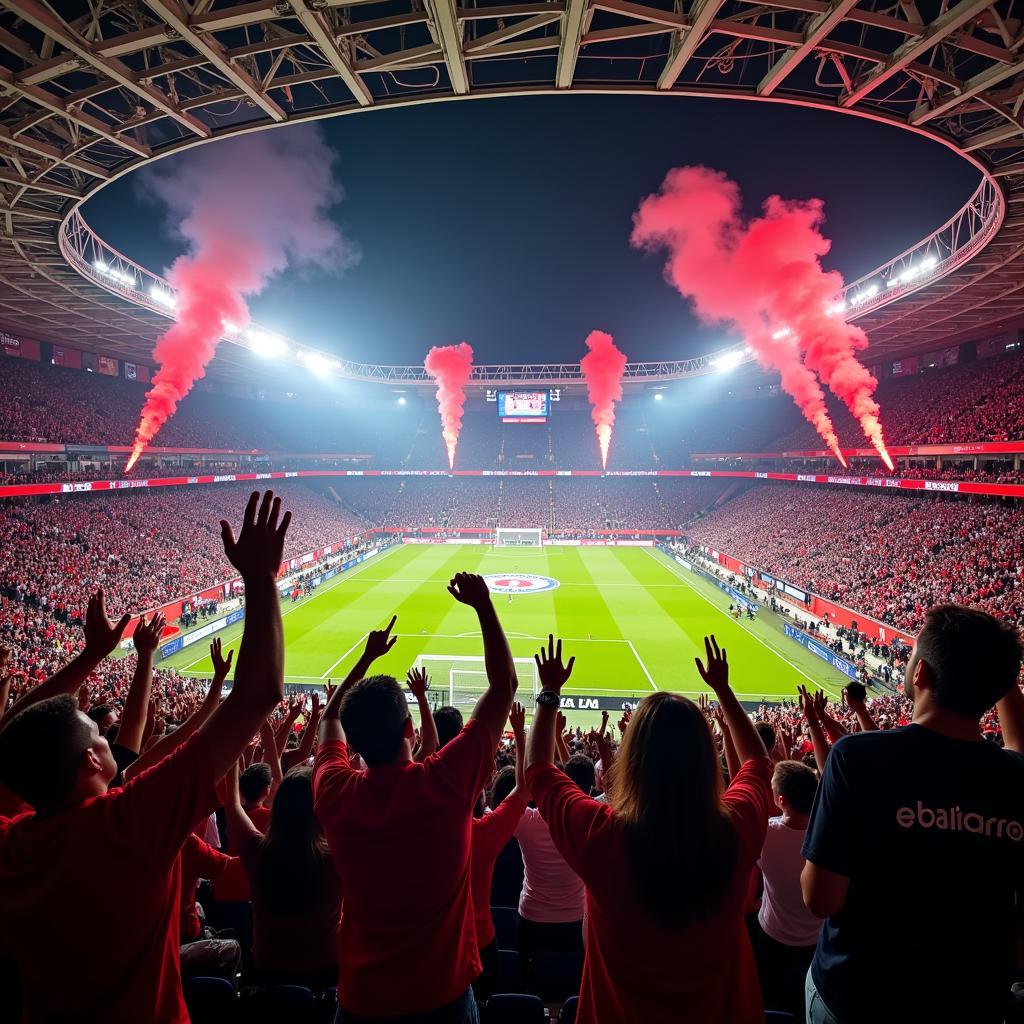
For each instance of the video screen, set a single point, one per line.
(524, 406)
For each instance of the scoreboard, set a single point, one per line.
(524, 406)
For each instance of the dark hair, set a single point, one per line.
(294, 847)
(448, 722)
(503, 784)
(767, 733)
(858, 691)
(666, 789)
(797, 784)
(580, 769)
(255, 781)
(41, 751)
(974, 658)
(373, 715)
(98, 713)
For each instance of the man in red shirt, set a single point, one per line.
(120, 966)
(408, 953)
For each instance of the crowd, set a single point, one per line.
(890, 556)
(694, 863)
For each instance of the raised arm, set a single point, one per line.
(169, 743)
(540, 748)
(136, 704)
(284, 729)
(240, 826)
(270, 755)
(259, 674)
(744, 736)
(517, 719)
(860, 708)
(818, 739)
(419, 682)
(100, 639)
(561, 746)
(732, 761)
(378, 643)
(290, 758)
(493, 707)
(833, 729)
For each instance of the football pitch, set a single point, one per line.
(632, 617)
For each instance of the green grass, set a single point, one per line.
(631, 616)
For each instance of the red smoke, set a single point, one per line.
(765, 279)
(450, 366)
(602, 368)
(247, 208)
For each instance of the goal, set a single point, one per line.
(464, 679)
(506, 537)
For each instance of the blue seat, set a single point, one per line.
(509, 974)
(567, 1015)
(211, 1001)
(505, 927)
(275, 1004)
(554, 977)
(515, 1009)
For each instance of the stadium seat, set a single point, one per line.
(505, 927)
(567, 1015)
(211, 1001)
(277, 1004)
(515, 1009)
(554, 976)
(509, 975)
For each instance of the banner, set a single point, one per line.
(826, 654)
(207, 629)
(70, 357)
(107, 366)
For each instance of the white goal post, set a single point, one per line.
(464, 679)
(518, 537)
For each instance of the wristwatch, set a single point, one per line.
(548, 699)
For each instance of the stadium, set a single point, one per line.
(547, 548)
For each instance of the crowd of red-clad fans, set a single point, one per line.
(695, 863)
(890, 556)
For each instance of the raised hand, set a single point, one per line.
(315, 713)
(517, 719)
(100, 636)
(380, 641)
(418, 682)
(221, 665)
(469, 588)
(147, 634)
(259, 546)
(560, 723)
(716, 675)
(623, 722)
(553, 674)
(820, 703)
(604, 723)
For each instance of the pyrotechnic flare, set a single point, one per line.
(602, 368)
(248, 208)
(765, 279)
(450, 366)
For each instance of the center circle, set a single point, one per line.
(519, 583)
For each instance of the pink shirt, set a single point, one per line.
(783, 915)
(552, 892)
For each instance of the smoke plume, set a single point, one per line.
(450, 366)
(764, 278)
(247, 208)
(602, 368)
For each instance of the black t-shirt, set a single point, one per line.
(929, 831)
(123, 757)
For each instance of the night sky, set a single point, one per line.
(505, 222)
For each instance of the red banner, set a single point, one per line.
(70, 357)
(907, 451)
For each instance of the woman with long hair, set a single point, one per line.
(296, 896)
(666, 861)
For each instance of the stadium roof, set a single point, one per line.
(105, 86)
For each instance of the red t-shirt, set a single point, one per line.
(116, 963)
(400, 838)
(636, 969)
(198, 860)
(490, 834)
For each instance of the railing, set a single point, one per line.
(942, 252)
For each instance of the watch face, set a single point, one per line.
(548, 698)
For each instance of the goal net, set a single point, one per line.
(506, 537)
(464, 679)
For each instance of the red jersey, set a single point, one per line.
(636, 968)
(404, 949)
(490, 834)
(117, 963)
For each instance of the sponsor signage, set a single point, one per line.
(820, 650)
(519, 583)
